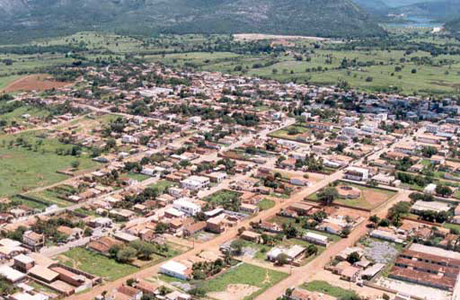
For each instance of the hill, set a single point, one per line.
(442, 10)
(327, 18)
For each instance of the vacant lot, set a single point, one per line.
(292, 132)
(370, 197)
(96, 264)
(326, 288)
(38, 82)
(25, 168)
(245, 281)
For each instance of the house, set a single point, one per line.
(291, 253)
(316, 238)
(196, 182)
(131, 292)
(175, 269)
(71, 233)
(11, 275)
(103, 245)
(350, 274)
(250, 236)
(357, 174)
(421, 206)
(33, 240)
(249, 208)
(187, 207)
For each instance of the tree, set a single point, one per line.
(126, 254)
(443, 190)
(144, 249)
(353, 257)
(161, 228)
(374, 219)
(312, 250)
(328, 195)
(75, 164)
(282, 259)
(237, 247)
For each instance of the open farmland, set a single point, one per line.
(38, 82)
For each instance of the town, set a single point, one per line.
(141, 181)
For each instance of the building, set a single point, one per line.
(175, 269)
(196, 182)
(357, 174)
(427, 266)
(187, 207)
(33, 240)
(421, 206)
(316, 238)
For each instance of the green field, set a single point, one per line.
(325, 288)
(96, 264)
(162, 185)
(245, 274)
(369, 199)
(222, 196)
(22, 169)
(266, 204)
(292, 132)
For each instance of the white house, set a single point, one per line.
(175, 269)
(186, 207)
(195, 182)
(316, 238)
(357, 174)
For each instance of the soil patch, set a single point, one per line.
(234, 292)
(37, 82)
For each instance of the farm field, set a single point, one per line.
(37, 82)
(369, 198)
(21, 169)
(96, 264)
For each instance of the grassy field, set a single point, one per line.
(292, 132)
(246, 274)
(369, 198)
(22, 169)
(136, 176)
(96, 264)
(376, 69)
(221, 196)
(325, 288)
(162, 185)
(266, 204)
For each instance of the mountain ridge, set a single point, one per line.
(327, 18)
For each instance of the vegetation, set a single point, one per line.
(96, 264)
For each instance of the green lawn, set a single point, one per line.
(96, 264)
(136, 176)
(23, 169)
(266, 204)
(245, 274)
(162, 185)
(325, 288)
(452, 226)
